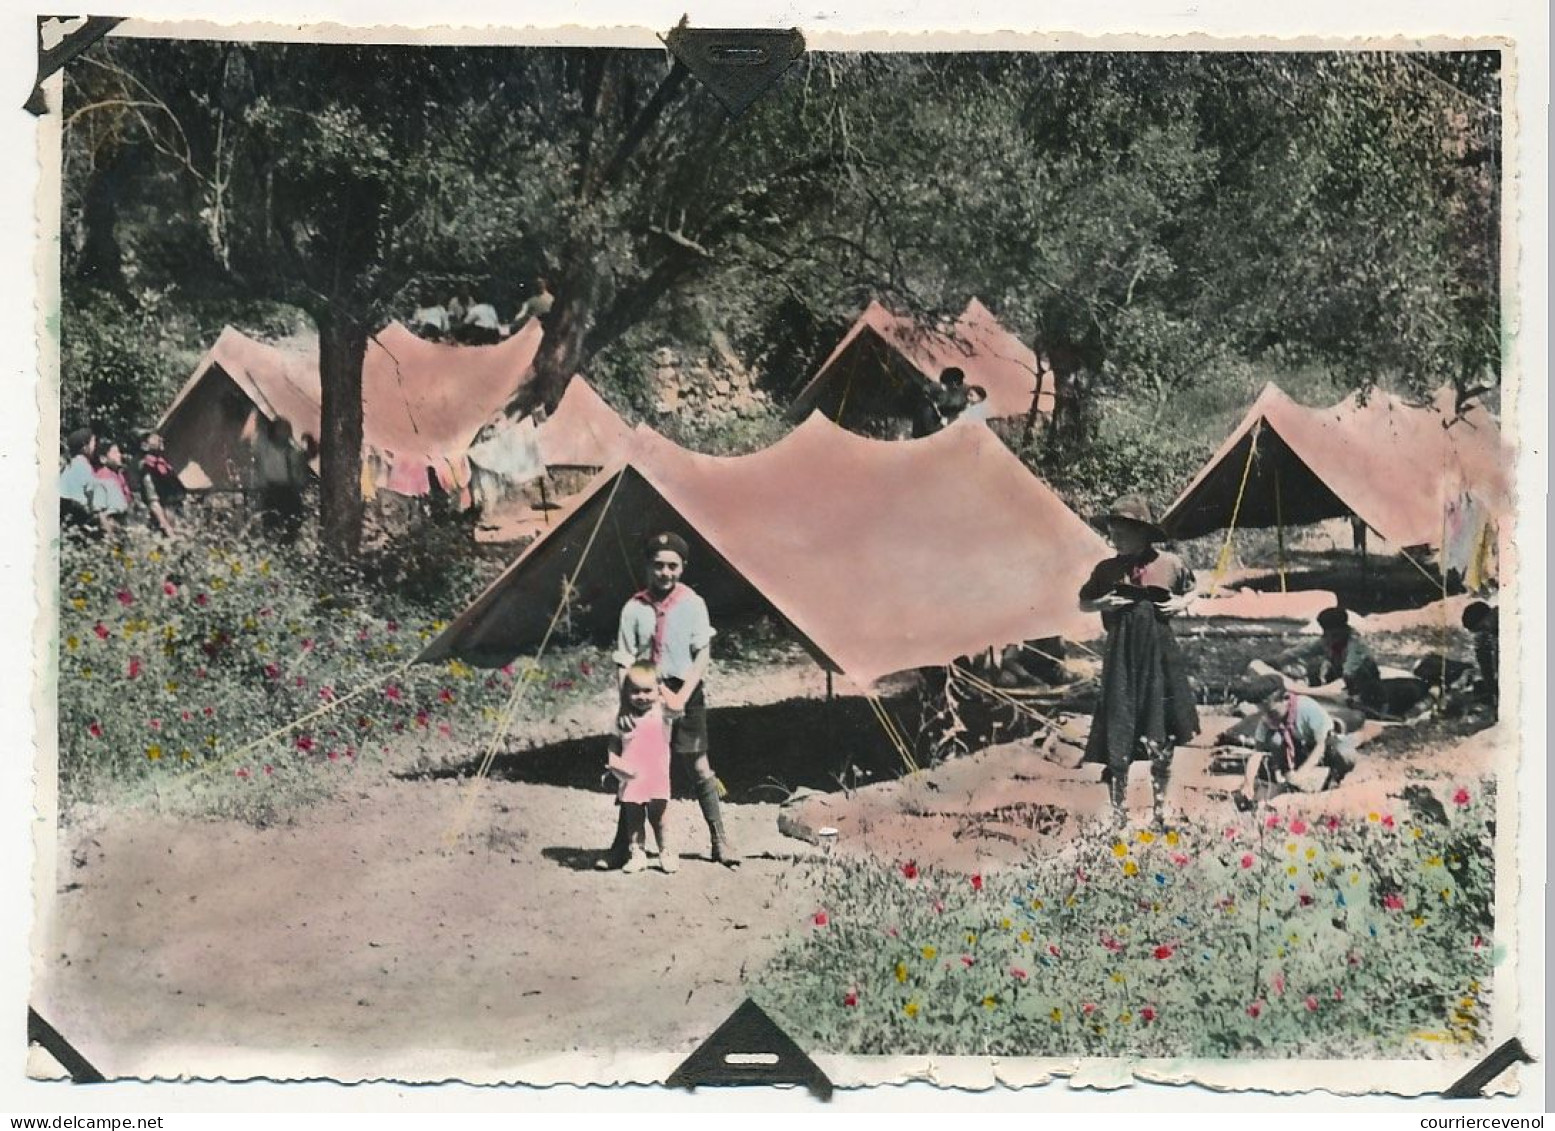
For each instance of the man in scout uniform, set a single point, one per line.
(1298, 745)
(667, 625)
(1339, 664)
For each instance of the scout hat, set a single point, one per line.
(672, 542)
(1133, 508)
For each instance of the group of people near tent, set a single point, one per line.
(465, 320)
(947, 400)
(99, 493)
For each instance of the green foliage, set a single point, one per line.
(118, 368)
(1274, 937)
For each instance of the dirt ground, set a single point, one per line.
(356, 937)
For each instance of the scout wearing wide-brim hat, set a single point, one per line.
(1133, 508)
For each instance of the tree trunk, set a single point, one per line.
(342, 346)
(100, 263)
(562, 349)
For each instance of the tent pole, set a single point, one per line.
(1279, 526)
(545, 503)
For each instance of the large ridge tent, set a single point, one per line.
(584, 431)
(879, 556)
(422, 404)
(1399, 468)
(880, 367)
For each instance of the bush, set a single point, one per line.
(1354, 937)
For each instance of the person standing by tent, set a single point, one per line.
(1146, 705)
(160, 488)
(667, 625)
(280, 474)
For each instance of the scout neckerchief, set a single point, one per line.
(661, 610)
(1137, 567)
(1288, 734)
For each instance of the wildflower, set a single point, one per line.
(126, 598)
(1057, 1015)
(1179, 859)
(820, 919)
(1461, 797)
(1052, 948)
(850, 999)
(307, 644)
(1272, 821)
(305, 743)
(1277, 982)
(1130, 868)
(1018, 974)
(72, 643)
(939, 906)
(1387, 822)
(95, 729)
(445, 730)
(154, 752)
(393, 693)
(929, 952)
(169, 589)
(911, 1009)
(446, 695)
(1331, 823)
(977, 881)
(272, 671)
(1147, 1014)
(393, 626)
(1120, 850)
(989, 1001)
(1290, 847)
(1146, 837)
(1247, 860)
(1088, 1008)
(201, 599)
(134, 668)
(1117, 977)
(1338, 994)
(910, 870)
(1305, 899)
(1255, 1009)
(1417, 922)
(422, 718)
(101, 630)
(1163, 952)
(1311, 1004)
(78, 603)
(968, 961)
(1311, 854)
(154, 724)
(327, 693)
(1393, 901)
(269, 769)
(1297, 826)
(1291, 869)
(208, 712)
(1005, 924)
(243, 773)
(1111, 943)
(1037, 905)
(1374, 817)
(1025, 936)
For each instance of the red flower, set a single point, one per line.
(820, 919)
(1018, 974)
(209, 711)
(977, 881)
(272, 671)
(1052, 948)
(1311, 1004)
(264, 612)
(422, 717)
(1332, 824)
(95, 729)
(1273, 821)
(1297, 826)
(304, 743)
(910, 870)
(1393, 901)
(300, 682)
(446, 695)
(393, 626)
(269, 769)
(1111, 943)
(201, 599)
(1179, 859)
(561, 685)
(1088, 1008)
(1305, 899)
(125, 597)
(134, 668)
(154, 724)
(1247, 860)
(1353, 959)
(1461, 797)
(1338, 994)
(307, 644)
(1163, 952)
(170, 589)
(850, 999)
(1255, 1009)
(393, 693)
(1387, 822)
(243, 773)
(967, 960)
(1147, 1014)
(101, 630)
(334, 755)
(327, 693)
(939, 906)
(1230, 832)
(1079, 874)
(586, 668)
(186, 715)
(1477, 944)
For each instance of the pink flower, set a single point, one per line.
(154, 724)
(561, 685)
(1018, 974)
(272, 671)
(1331, 824)
(1272, 822)
(1088, 1008)
(1461, 797)
(334, 755)
(264, 612)
(1255, 1009)
(1163, 952)
(445, 730)
(1297, 826)
(101, 630)
(1338, 994)
(977, 881)
(850, 999)
(327, 693)
(393, 693)
(422, 718)
(1477, 944)
(243, 773)
(1052, 948)
(125, 597)
(134, 668)
(186, 715)
(1079, 874)
(300, 682)
(506, 669)
(939, 906)
(169, 589)
(201, 599)
(820, 919)
(1393, 901)
(1311, 1004)
(446, 695)
(1230, 832)
(1353, 959)
(1305, 899)
(208, 712)
(307, 644)
(967, 960)
(1387, 822)
(1247, 860)
(95, 729)
(304, 743)
(910, 870)
(1111, 943)
(269, 769)
(362, 635)
(1277, 982)
(1147, 1014)
(1179, 859)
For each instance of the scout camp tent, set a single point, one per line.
(422, 404)
(1400, 468)
(881, 365)
(584, 431)
(879, 556)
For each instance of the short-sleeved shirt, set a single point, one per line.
(1354, 663)
(434, 316)
(1310, 722)
(688, 630)
(482, 314)
(115, 490)
(79, 484)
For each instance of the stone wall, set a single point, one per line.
(712, 382)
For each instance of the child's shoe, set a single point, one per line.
(636, 862)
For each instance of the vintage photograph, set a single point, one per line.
(982, 553)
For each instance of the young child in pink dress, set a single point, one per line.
(640, 761)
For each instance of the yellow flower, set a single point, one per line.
(78, 603)
(1120, 850)
(1280, 953)
(261, 647)
(1373, 816)
(1172, 838)
(1294, 937)
(264, 568)
(1311, 854)
(86, 577)
(1130, 868)
(911, 1009)
(1433, 862)
(184, 754)
(1146, 837)
(171, 685)
(1005, 924)
(439, 625)
(1024, 936)
(1037, 905)
(72, 643)
(1292, 870)
(928, 953)
(971, 938)
(1057, 1014)
(218, 584)
(458, 669)
(1355, 878)
(154, 753)
(1419, 921)
(1417, 832)
(154, 556)
(989, 1001)
(901, 971)
(1291, 848)
(1474, 986)
(1117, 977)
(1072, 901)
(1125, 1017)
(237, 569)
(1446, 894)
(86, 673)
(250, 623)
(210, 740)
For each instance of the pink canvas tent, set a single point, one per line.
(879, 556)
(584, 431)
(883, 363)
(1397, 467)
(422, 404)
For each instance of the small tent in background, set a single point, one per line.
(422, 404)
(1404, 470)
(883, 364)
(879, 556)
